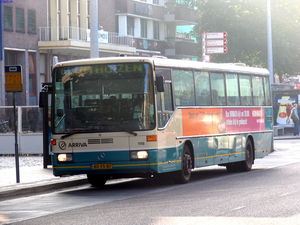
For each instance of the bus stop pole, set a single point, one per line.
(16, 141)
(45, 129)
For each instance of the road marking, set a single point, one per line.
(238, 208)
(225, 220)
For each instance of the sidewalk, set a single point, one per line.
(34, 179)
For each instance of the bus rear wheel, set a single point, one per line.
(96, 180)
(183, 176)
(246, 165)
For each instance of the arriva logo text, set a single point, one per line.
(77, 145)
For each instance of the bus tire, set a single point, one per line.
(183, 176)
(96, 180)
(247, 164)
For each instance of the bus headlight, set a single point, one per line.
(139, 155)
(65, 157)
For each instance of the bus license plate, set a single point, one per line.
(102, 166)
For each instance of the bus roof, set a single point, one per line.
(172, 63)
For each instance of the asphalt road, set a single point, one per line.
(269, 194)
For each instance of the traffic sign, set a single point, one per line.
(216, 42)
(216, 50)
(216, 35)
(207, 58)
(13, 78)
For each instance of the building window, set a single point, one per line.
(88, 14)
(155, 30)
(10, 58)
(143, 28)
(20, 19)
(31, 21)
(156, 2)
(8, 17)
(130, 26)
(32, 78)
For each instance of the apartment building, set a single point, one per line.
(20, 22)
(36, 31)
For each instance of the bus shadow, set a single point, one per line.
(124, 186)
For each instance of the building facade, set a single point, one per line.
(20, 21)
(34, 32)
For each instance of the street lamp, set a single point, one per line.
(270, 50)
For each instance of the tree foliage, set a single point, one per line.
(245, 21)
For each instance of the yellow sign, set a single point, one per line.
(13, 78)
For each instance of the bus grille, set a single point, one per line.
(100, 141)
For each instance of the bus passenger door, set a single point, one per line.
(222, 150)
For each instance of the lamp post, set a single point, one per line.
(94, 49)
(1, 32)
(270, 48)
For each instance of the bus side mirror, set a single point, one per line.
(160, 83)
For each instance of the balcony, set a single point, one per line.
(75, 38)
(181, 16)
(181, 46)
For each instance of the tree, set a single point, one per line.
(245, 21)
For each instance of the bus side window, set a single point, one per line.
(258, 91)
(184, 88)
(202, 88)
(267, 90)
(245, 89)
(218, 89)
(232, 89)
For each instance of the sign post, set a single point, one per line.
(213, 43)
(13, 83)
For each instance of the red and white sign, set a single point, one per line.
(207, 58)
(216, 42)
(298, 85)
(216, 50)
(216, 35)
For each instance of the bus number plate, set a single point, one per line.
(102, 166)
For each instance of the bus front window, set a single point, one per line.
(103, 98)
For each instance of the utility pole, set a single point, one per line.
(1, 33)
(270, 47)
(94, 49)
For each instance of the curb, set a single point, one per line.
(39, 188)
(286, 137)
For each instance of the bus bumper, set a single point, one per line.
(122, 166)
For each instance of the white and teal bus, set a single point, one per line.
(140, 117)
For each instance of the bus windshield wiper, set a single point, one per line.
(70, 134)
(129, 131)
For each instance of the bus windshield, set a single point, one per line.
(103, 98)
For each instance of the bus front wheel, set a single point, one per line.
(183, 176)
(96, 180)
